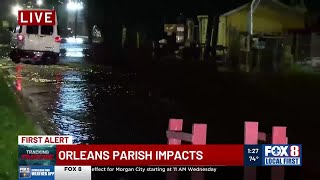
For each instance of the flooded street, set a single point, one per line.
(98, 104)
(77, 95)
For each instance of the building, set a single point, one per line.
(272, 20)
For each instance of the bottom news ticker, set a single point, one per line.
(162, 172)
(143, 172)
(154, 169)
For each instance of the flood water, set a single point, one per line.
(110, 106)
(130, 108)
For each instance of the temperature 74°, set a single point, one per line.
(253, 158)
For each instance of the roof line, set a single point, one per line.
(236, 10)
(286, 6)
(247, 4)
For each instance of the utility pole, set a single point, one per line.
(76, 24)
(203, 25)
(253, 6)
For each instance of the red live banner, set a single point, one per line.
(150, 155)
(32, 17)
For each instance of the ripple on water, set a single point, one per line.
(79, 96)
(72, 112)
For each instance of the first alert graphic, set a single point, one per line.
(46, 139)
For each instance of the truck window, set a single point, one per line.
(47, 30)
(18, 29)
(32, 29)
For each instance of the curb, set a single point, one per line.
(20, 97)
(29, 103)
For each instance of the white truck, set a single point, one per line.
(35, 44)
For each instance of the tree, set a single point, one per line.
(5, 12)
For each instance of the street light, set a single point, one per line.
(16, 9)
(75, 6)
(39, 2)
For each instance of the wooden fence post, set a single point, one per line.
(174, 125)
(251, 137)
(279, 136)
(175, 135)
(199, 137)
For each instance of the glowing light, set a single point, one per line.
(39, 2)
(16, 9)
(74, 40)
(74, 5)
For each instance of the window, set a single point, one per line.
(180, 29)
(47, 30)
(32, 29)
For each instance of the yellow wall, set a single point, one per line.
(265, 20)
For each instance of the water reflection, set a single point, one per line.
(80, 95)
(72, 114)
(18, 80)
(74, 52)
(74, 40)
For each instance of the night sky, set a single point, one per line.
(149, 15)
(172, 7)
(137, 9)
(169, 8)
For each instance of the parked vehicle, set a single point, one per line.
(35, 44)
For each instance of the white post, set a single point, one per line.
(251, 18)
(253, 7)
(203, 24)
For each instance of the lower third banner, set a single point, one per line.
(149, 155)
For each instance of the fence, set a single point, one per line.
(175, 136)
(251, 136)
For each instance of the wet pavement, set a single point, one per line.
(98, 104)
(73, 53)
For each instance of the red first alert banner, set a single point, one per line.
(150, 155)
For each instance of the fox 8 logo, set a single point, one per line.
(294, 151)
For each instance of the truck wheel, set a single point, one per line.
(16, 60)
(49, 59)
(56, 59)
(13, 56)
(43, 60)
